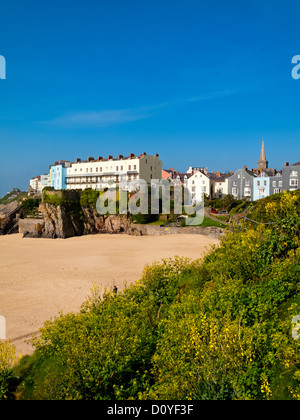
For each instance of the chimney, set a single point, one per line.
(218, 174)
(157, 155)
(131, 155)
(274, 172)
(286, 164)
(246, 168)
(144, 154)
(78, 160)
(100, 158)
(90, 159)
(120, 157)
(110, 157)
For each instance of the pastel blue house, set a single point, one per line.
(261, 186)
(58, 175)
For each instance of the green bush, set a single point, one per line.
(218, 328)
(31, 204)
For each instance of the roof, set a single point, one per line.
(296, 164)
(215, 177)
(182, 176)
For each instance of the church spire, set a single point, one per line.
(262, 164)
(263, 152)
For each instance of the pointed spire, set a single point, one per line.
(263, 152)
(262, 164)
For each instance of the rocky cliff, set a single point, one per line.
(65, 214)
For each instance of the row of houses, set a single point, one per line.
(98, 173)
(253, 184)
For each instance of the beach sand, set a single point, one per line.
(41, 277)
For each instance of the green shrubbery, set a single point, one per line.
(214, 329)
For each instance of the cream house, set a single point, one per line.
(219, 185)
(100, 173)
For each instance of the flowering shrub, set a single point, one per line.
(8, 359)
(214, 329)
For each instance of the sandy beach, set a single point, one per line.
(41, 277)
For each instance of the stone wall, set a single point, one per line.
(152, 230)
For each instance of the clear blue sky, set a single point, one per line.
(199, 82)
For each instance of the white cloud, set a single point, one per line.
(119, 116)
(100, 118)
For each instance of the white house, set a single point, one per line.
(198, 184)
(97, 174)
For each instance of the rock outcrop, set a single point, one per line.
(65, 215)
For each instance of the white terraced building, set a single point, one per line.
(97, 174)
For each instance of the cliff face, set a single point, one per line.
(96, 223)
(59, 222)
(66, 215)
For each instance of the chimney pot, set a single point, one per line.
(286, 164)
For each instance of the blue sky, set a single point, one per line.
(199, 82)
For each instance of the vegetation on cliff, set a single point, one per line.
(220, 328)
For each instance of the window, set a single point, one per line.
(135, 167)
(247, 192)
(277, 191)
(129, 167)
(101, 169)
(294, 182)
(150, 168)
(234, 191)
(258, 183)
(87, 169)
(121, 168)
(235, 183)
(91, 169)
(274, 184)
(96, 169)
(265, 183)
(294, 173)
(117, 168)
(247, 183)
